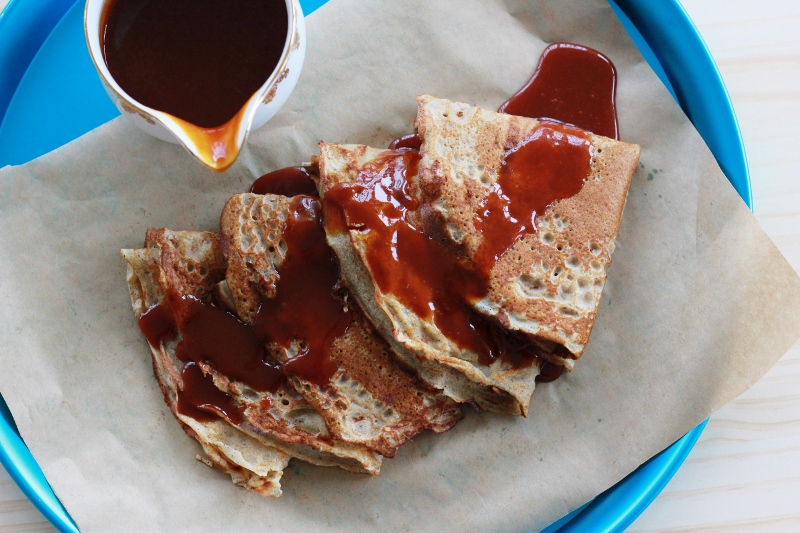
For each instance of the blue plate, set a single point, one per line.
(50, 94)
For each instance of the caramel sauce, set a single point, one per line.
(307, 305)
(573, 84)
(202, 400)
(549, 372)
(550, 165)
(290, 181)
(158, 325)
(199, 397)
(215, 147)
(307, 308)
(403, 261)
(411, 141)
(215, 336)
(420, 272)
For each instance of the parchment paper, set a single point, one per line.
(698, 305)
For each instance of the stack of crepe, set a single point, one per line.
(394, 372)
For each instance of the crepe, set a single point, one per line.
(370, 399)
(543, 285)
(415, 339)
(369, 407)
(547, 285)
(192, 263)
(248, 462)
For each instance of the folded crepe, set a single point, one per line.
(412, 334)
(365, 397)
(250, 427)
(249, 463)
(455, 273)
(477, 321)
(547, 281)
(177, 267)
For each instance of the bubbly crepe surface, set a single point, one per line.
(547, 286)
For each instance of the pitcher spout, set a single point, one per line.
(217, 148)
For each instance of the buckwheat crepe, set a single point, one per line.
(191, 263)
(547, 285)
(369, 407)
(371, 400)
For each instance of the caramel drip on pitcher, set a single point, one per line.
(218, 147)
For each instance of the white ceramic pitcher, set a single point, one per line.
(217, 147)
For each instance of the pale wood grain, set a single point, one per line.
(17, 513)
(744, 473)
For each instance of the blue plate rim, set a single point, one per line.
(698, 89)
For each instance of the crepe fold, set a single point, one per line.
(548, 284)
(150, 272)
(366, 410)
(544, 288)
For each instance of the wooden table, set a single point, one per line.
(744, 472)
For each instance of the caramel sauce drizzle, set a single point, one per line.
(420, 272)
(308, 305)
(289, 181)
(308, 308)
(572, 84)
(551, 164)
(202, 400)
